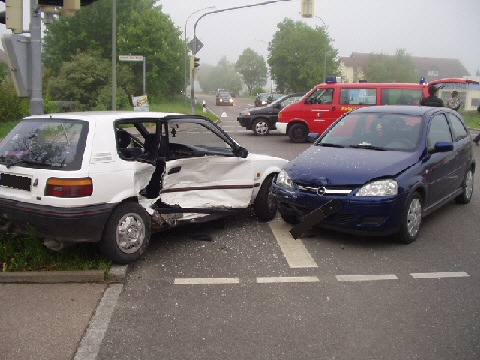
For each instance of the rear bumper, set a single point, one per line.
(83, 224)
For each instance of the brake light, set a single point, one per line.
(69, 188)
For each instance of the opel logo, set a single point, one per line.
(321, 191)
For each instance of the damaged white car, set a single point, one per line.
(116, 177)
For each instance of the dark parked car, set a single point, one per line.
(263, 119)
(224, 98)
(388, 166)
(263, 99)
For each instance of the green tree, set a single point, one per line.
(141, 30)
(297, 55)
(386, 68)
(221, 76)
(253, 69)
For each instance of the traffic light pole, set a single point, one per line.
(37, 106)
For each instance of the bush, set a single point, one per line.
(12, 108)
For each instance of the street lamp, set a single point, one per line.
(325, 52)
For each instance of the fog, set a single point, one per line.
(427, 28)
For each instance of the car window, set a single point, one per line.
(137, 138)
(459, 131)
(321, 96)
(401, 96)
(189, 139)
(358, 96)
(438, 131)
(52, 143)
(290, 100)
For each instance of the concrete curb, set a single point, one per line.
(116, 274)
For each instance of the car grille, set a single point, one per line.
(326, 191)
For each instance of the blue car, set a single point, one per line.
(388, 166)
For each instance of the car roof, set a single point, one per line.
(400, 109)
(104, 116)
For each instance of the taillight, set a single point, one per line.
(69, 188)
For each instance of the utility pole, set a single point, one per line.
(37, 105)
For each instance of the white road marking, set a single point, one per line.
(439, 275)
(294, 251)
(290, 279)
(206, 281)
(366, 277)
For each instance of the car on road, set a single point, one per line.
(263, 99)
(263, 119)
(116, 177)
(388, 166)
(224, 98)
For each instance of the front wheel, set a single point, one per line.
(411, 219)
(265, 204)
(467, 186)
(260, 127)
(127, 234)
(298, 133)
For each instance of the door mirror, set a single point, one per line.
(241, 152)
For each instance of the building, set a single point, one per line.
(430, 68)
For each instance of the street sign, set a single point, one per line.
(130, 57)
(195, 45)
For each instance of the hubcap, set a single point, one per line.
(414, 217)
(469, 184)
(130, 233)
(261, 127)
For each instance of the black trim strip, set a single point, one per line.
(217, 187)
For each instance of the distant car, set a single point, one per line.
(388, 166)
(263, 99)
(263, 119)
(115, 177)
(224, 98)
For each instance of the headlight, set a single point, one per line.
(387, 187)
(284, 180)
(246, 113)
(231, 100)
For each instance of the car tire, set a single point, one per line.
(467, 186)
(265, 205)
(261, 127)
(411, 219)
(127, 233)
(298, 133)
(290, 219)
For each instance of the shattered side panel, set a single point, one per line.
(208, 182)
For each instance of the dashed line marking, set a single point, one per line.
(439, 275)
(295, 252)
(290, 279)
(366, 277)
(206, 281)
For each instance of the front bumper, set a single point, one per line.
(282, 127)
(84, 224)
(245, 122)
(359, 215)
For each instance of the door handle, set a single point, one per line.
(174, 170)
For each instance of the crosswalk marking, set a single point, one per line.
(366, 277)
(288, 279)
(439, 275)
(206, 281)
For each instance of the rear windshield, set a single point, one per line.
(45, 143)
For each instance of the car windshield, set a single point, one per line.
(224, 94)
(376, 131)
(45, 143)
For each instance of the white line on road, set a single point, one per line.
(290, 279)
(295, 251)
(366, 277)
(439, 275)
(206, 281)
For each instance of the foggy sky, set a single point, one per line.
(428, 28)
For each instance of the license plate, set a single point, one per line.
(15, 181)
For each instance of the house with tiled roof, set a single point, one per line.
(430, 68)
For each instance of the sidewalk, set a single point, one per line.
(48, 320)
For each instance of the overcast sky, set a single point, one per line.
(429, 28)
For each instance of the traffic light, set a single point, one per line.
(307, 8)
(12, 17)
(196, 62)
(69, 7)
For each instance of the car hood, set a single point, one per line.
(346, 166)
(260, 110)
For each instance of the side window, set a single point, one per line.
(321, 96)
(401, 96)
(439, 131)
(290, 100)
(459, 131)
(358, 96)
(135, 139)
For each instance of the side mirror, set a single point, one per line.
(443, 146)
(312, 137)
(242, 152)
(277, 106)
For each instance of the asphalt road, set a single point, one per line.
(241, 289)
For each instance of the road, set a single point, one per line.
(243, 289)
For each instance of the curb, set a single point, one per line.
(116, 274)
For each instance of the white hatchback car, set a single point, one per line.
(115, 177)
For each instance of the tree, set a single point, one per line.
(222, 76)
(386, 68)
(141, 30)
(297, 55)
(253, 69)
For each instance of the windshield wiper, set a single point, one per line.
(331, 145)
(368, 146)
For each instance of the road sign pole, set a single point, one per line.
(37, 106)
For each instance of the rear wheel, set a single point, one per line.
(261, 127)
(411, 219)
(298, 133)
(127, 233)
(265, 205)
(467, 186)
